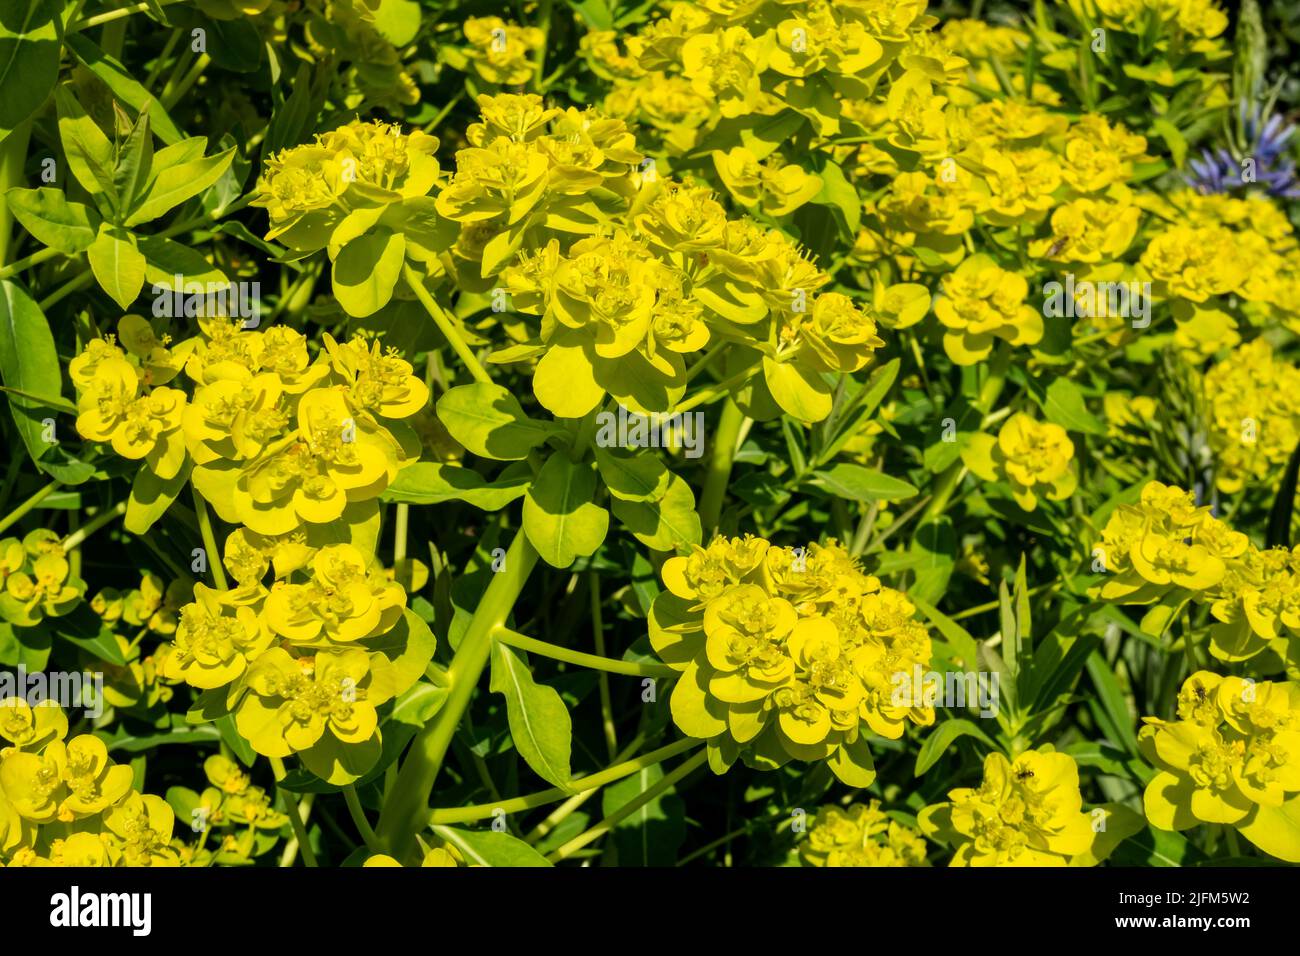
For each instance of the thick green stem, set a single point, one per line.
(209, 539)
(17, 514)
(446, 326)
(295, 815)
(666, 783)
(554, 794)
(951, 478)
(593, 661)
(358, 813)
(724, 453)
(406, 811)
(13, 155)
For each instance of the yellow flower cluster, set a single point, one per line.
(623, 306)
(498, 51)
(349, 180)
(1166, 549)
(1199, 19)
(1254, 424)
(787, 654)
(1025, 812)
(231, 812)
(276, 438)
(861, 835)
(1034, 458)
(36, 580)
(703, 64)
(1231, 757)
(66, 803)
(1224, 257)
(304, 664)
(982, 303)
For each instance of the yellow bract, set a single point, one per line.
(787, 653)
(1026, 812)
(1033, 458)
(1231, 757)
(861, 835)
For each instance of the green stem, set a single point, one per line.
(595, 662)
(714, 392)
(951, 478)
(405, 812)
(90, 527)
(399, 531)
(358, 813)
(650, 793)
(598, 633)
(725, 439)
(13, 156)
(576, 786)
(108, 17)
(187, 81)
(35, 259)
(295, 814)
(543, 24)
(17, 514)
(209, 539)
(446, 326)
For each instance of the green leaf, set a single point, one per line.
(398, 21)
(117, 264)
(1064, 405)
(958, 637)
(29, 58)
(151, 496)
(69, 227)
(942, 737)
(935, 542)
(84, 628)
(90, 154)
(651, 834)
(1279, 516)
(668, 524)
(408, 646)
(857, 483)
(124, 86)
(241, 747)
(430, 483)
(540, 724)
(165, 259)
(560, 518)
(490, 847)
(177, 183)
(488, 421)
(1111, 707)
(366, 271)
(638, 477)
(29, 363)
(838, 193)
(799, 391)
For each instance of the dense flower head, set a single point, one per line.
(276, 436)
(861, 835)
(310, 191)
(1033, 458)
(786, 653)
(1254, 424)
(36, 579)
(982, 303)
(302, 664)
(1027, 811)
(1228, 757)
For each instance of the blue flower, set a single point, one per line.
(1220, 171)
